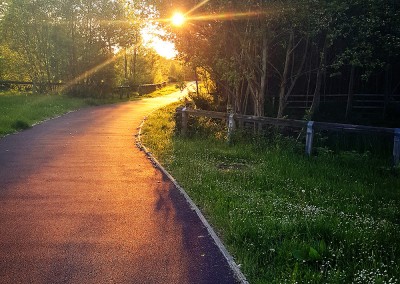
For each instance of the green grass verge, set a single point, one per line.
(19, 111)
(287, 218)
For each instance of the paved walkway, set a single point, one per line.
(79, 203)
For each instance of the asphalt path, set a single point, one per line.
(79, 203)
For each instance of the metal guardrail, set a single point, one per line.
(311, 126)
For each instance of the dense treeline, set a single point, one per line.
(90, 45)
(293, 47)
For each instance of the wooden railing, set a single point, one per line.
(360, 102)
(311, 126)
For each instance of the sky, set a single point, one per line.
(152, 38)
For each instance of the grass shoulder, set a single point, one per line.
(287, 218)
(19, 111)
(170, 88)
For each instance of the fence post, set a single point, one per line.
(184, 122)
(231, 126)
(396, 147)
(241, 123)
(260, 128)
(309, 137)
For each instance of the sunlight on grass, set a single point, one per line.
(171, 88)
(18, 112)
(157, 133)
(285, 217)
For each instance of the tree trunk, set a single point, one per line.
(264, 76)
(296, 76)
(387, 90)
(317, 91)
(125, 64)
(282, 89)
(197, 80)
(134, 61)
(350, 93)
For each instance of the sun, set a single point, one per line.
(178, 19)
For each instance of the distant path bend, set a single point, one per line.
(79, 203)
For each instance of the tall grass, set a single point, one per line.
(19, 112)
(287, 218)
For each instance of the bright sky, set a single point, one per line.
(152, 38)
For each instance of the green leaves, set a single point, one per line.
(61, 40)
(309, 253)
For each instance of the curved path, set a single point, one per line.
(79, 203)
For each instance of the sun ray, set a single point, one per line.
(89, 72)
(224, 16)
(227, 16)
(196, 7)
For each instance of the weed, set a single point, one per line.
(20, 125)
(288, 218)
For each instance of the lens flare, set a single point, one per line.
(231, 16)
(87, 73)
(196, 7)
(178, 19)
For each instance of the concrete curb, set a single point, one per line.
(235, 268)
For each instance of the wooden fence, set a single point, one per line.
(311, 126)
(358, 101)
(7, 85)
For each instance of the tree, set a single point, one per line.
(70, 41)
(286, 47)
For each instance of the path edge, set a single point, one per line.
(228, 257)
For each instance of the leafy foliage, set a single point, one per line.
(304, 47)
(92, 45)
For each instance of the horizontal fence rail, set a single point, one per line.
(30, 83)
(311, 126)
(359, 101)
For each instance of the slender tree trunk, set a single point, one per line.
(197, 80)
(246, 100)
(317, 91)
(282, 89)
(350, 93)
(296, 76)
(309, 77)
(264, 76)
(134, 61)
(387, 90)
(125, 64)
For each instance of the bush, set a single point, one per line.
(202, 100)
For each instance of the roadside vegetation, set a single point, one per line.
(170, 88)
(287, 218)
(21, 110)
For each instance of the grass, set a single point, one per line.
(170, 88)
(19, 111)
(287, 218)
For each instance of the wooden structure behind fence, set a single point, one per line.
(234, 120)
(373, 104)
